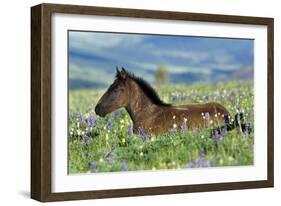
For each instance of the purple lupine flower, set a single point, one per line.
(202, 153)
(217, 136)
(200, 162)
(207, 117)
(111, 157)
(93, 167)
(178, 97)
(183, 97)
(223, 131)
(80, 116)
(189, 165)
(124, 166)
(91, 122)
(183, 126)
(247, 129)
(108, 124)
(86, 139)
(142, 134)
(130, 130)
(205, 163)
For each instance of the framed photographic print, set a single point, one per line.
(129, 102)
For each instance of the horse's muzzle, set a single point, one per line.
(100, 110)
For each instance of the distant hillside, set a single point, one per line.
(102, 80)
(98, 73)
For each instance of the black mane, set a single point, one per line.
(147, 89)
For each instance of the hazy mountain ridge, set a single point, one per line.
(101, 77)
(93, 57)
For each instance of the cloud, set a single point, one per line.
(212, 59)
(225, 66)
(97, 42)
(194, 56)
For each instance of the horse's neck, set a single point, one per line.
(140, 107)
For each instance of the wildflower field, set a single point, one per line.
(109, 144)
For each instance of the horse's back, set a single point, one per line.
(211, 107)
(217, 107)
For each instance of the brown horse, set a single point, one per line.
(149, 113)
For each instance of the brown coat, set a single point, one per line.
(152, 115)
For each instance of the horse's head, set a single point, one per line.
(116, 95)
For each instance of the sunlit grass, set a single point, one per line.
(107, 144)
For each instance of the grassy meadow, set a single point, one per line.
(108, 144)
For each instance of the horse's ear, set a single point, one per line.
(117, 70)
(123, 74)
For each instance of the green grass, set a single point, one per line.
(100, 149)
